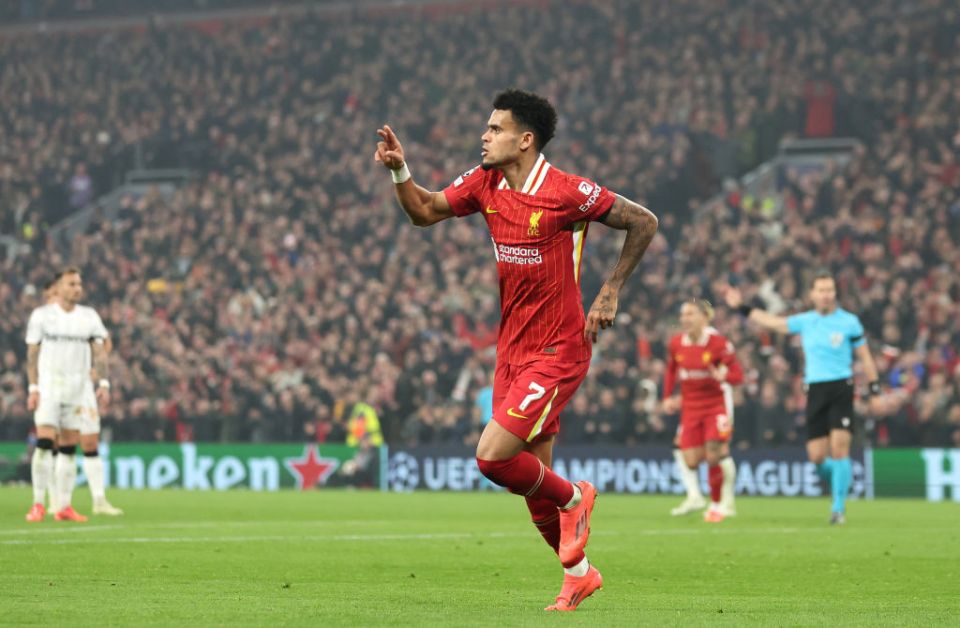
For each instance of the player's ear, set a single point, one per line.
(526, 140)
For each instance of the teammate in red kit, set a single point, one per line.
(705, 364)
(538, 218)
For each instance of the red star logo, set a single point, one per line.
(311, 469)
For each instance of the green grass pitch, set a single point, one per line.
(332, 558)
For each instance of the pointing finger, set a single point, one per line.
(391, 136)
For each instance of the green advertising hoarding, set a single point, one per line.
(260, 467)
(931, 474)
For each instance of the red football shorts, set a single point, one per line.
(698, 425)
(527, 399)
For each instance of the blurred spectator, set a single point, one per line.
(81, 188)
(252, 303)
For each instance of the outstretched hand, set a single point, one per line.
(602, 313)
(389, 151)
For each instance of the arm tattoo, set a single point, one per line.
(640, 225)
(100, 360)
(33, 359)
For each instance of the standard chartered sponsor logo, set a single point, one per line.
(693, 373)
(512, 259)
(518, 254)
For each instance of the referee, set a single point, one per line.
(830, 336)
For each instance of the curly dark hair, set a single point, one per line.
(531, 111)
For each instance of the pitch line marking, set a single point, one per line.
(368, 537)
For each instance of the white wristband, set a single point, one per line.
(401, 174)
(103, 383)
(33, 388)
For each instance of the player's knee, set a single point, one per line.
(45, 443)
(68, 450)
(715, 452)
(495, 470)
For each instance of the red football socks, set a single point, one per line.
(524, 474)
(716, 482)
(546, 516)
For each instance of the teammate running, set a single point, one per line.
(538, 218)
(706, 366)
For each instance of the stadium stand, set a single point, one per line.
(280, 286)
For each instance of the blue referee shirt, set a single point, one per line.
(828, 343)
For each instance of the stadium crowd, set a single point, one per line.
(281, 295)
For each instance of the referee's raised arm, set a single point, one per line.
(734, 300)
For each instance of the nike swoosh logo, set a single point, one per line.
(490, 211)
(515, 414)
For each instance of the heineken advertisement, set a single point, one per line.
(260, 467)
(634, 470)
(931, 474)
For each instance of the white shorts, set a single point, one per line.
(79, 414)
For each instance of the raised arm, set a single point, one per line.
(422, 206)
(640, 225)
(761, 317)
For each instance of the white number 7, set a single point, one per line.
(538, 392)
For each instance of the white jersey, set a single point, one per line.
(65, 356)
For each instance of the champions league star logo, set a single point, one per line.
(404, 474)
(311, 470)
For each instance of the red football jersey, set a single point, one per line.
(689, 361)
(538, 234)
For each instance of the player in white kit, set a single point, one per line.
(65, 345)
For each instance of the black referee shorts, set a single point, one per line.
(829, 407)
